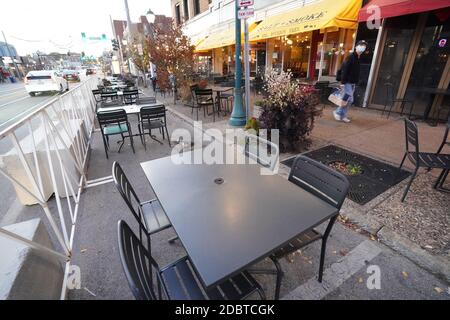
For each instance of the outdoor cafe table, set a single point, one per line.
(132, 108)
(226, 228)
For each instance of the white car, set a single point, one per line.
(45, 81)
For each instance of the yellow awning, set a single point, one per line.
(222, 38)
(327, 13)
(216, 40)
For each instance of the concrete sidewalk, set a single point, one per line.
(350, 251)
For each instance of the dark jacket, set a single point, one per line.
(350, 69)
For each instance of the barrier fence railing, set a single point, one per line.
(49, 155)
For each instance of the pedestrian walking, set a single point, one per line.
(349, 77)
(153, 75)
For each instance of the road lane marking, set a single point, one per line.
(26, 111)
(337, 273)
(14, 101)
(2, 96)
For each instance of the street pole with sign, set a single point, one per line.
(238, 115)
(244, 13)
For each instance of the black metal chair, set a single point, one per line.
(253, 150)
(391, 101)
(114, 123)
(151, 118)
(130, 97)
(205, 99)
(146, 100)
(445, 140)
(149, 214)
(227, 97)
(97, 96)
(178, 280)
(109, 96)
(326, 184)
(421, 159)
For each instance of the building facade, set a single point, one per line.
(307, 50)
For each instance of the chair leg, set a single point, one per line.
(280, 275)
(403, 161)
(409, 184)
(168, 136)
(132, 141)
(440, 179)
(106, 146)
(324, 247)
(123, 142)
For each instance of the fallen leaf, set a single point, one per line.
(334, 252)
(83, 250)
(360, 280)
(428, 247)
(373, 238)
(405, 274)
(438, 290)
(343, 252)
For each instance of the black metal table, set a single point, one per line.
(226, 228)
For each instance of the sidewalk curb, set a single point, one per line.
(436, 265)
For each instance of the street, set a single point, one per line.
(15, 103)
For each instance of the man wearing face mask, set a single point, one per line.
(350, 77)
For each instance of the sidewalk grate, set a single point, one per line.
(375, 177)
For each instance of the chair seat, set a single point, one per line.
(154, 216)
(298, 243)
(154, 124)
(182, 284)
(115, 129)
(205, 102)
(432, 160)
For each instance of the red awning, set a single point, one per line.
(394, 8)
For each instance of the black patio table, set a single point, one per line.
(228, 217)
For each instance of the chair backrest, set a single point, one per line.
(137, 263)
(109, 95)
(112, 117)
(153, 113)
(97, 95)
(130, 96)
(320, 180)
(203, 94)
(264, 152)
(412, 138)
(146, 100)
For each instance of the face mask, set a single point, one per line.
(360, 49)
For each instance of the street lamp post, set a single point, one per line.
(238, 117)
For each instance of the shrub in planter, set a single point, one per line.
(290, 108)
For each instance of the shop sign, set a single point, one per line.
(246, 13)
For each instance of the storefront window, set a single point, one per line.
(400, 32)
(296, 55)
(431, 59)
(277, 54)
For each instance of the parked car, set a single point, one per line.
(90, 71)
(71, 75)
(45, 81)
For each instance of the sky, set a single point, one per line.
(56, 25)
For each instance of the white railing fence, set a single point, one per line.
(49, 154)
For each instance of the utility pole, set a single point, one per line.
(12, 57)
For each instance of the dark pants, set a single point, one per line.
(154, 84)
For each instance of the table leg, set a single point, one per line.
(441, 180)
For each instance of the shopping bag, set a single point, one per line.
(337, 98)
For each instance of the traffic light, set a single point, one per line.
(83, 36)
(115, 44)
(104, 37)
